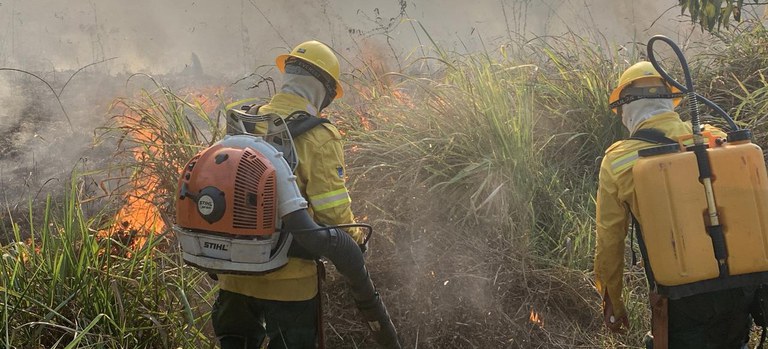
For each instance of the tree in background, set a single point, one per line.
(709, 13)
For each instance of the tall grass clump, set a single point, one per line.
(495, 155)
(156, 132)
(68, 286)
(454, 135)
(73, 280)
(577, 76)
(505, 147)
(733, 74)
(513, 138)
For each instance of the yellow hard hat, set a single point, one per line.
(320, 56)
(638, 71)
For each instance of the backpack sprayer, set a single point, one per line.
(708, 232)
(240, 211)
(714, 229)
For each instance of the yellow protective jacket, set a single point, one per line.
(320, 175)
(616, 196)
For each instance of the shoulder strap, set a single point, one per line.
(300, 122)
(637, 235)
(652, 135)
(237, 124)
(655, 136)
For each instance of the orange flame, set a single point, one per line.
(536, 319)
(206, 98)
(139, 217)
(403, 99)
(395, 100)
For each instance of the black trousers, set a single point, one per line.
(243, 322)
(714, 320)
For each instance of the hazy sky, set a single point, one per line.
(232, 37)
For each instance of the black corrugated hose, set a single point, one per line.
(338, 247)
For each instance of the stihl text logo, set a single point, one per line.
(215, 246)
(205, 205)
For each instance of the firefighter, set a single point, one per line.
(717, 319)
(283, 305)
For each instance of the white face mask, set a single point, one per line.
(633, 113)
(304, 86)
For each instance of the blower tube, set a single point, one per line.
(338, 247)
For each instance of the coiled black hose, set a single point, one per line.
(693, 97)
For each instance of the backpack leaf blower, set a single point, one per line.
(240, 211)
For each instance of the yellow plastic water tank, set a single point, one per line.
(672, 210)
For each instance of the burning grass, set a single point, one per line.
(158, 132)
(114, 279)
(66, 286)
(478, 178)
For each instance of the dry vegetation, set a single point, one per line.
(478, 177)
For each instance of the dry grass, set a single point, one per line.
(453, 285)
(479, 180)
(482, 176)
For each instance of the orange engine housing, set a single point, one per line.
(228, 191)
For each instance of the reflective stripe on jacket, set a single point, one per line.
(320, 175)
(616, 191)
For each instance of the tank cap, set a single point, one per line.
(659, 150)
(211, 204)
(740, 135)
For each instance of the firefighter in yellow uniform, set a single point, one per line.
(283, 305)
(708, 320)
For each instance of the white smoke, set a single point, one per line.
(199, 40)
(232, 38)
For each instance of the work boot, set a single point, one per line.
(648, 340)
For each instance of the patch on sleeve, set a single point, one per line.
(340, 171)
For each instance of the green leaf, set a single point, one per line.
(84, 332)
(709, 11)
(726, 13)
(712, 14)
(717, 4)
(737, 10)
(694, 9)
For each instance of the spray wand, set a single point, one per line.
(714, 229)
